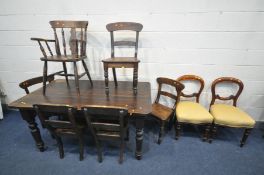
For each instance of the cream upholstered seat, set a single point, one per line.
(227, 115)
(231, 116)
(189, 112)
(192, 112)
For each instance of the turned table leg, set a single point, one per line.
(106, 78)
(29, 117)
(139, 137)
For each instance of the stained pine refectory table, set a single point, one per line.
(58, 92)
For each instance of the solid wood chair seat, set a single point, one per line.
(121, 60)
(62, 58)
(160, 111)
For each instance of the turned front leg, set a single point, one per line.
(139, 137)
(29, 117)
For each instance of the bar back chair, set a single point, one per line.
(122, 62)
(190, 112)
(107, 123)
(161, 112)
(230, 115)
(72, 51)
(58, 128)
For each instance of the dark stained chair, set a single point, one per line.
(58, 128)
(230, 115)
(122, 62)
(107, 123)
(165, 113)
(33, 81)
(71, 51)
(191, 112)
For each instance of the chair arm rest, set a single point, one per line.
(42, 39)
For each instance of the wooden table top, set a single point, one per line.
(58, 92)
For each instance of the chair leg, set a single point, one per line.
(76, 78)
(114, 75)
(87, 72)
(60, 145)
(177, 130)
(245, 136)
(65, 72)
(213, 133)
(81, 147)
(135, 79)
(122, 147)
(206, 133)
(45, 72)
(161, 132)
(127, 135)
(99, 151)
(106, 79)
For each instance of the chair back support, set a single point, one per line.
(44, 112)
(77, 46)
(33, 81)
(166, 81)
(119, 26)
(192, 78)
(99, 119)
(226, 80)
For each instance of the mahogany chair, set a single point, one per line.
(122, 62)
(107, 123)
(230, 115)
(33, 81)
(70, 52)
(190, 112)
(160, 111)
(58, 128)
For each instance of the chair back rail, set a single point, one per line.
(233, 97)
(77, 46)
(194, 78)
(44, 111)
(166, 81)
(33, 81)
(102, 124)
(119, 26)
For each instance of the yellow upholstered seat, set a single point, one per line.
(231, 116)
(188, 112)
(192, 112)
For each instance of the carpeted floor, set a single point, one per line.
(189, 155)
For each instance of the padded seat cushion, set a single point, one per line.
(231, 116)
(160, 111)
(192, 112)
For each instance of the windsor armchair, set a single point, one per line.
(73, 49)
